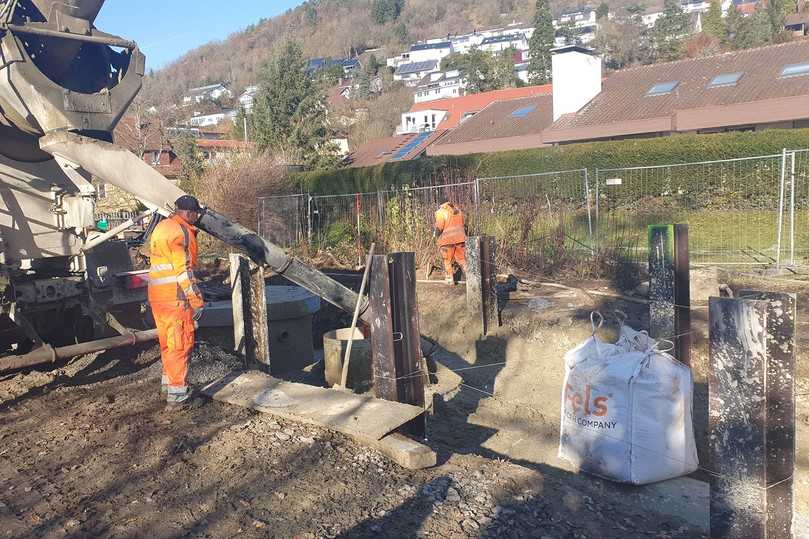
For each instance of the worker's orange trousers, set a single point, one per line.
(175, 330)
(454, 252)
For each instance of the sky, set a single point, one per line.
(166, 29)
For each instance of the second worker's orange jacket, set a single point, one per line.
(449, 220)
(173, 247)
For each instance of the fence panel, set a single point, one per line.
(283, 220)
(731, 207)
(798, 207)
(537, 218)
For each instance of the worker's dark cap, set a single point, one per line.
(188, 203)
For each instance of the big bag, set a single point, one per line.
(627, 410)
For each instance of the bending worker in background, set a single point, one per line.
(451, 234)
(173, 294)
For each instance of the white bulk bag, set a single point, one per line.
(626, 411)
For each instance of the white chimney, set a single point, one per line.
(576, 78)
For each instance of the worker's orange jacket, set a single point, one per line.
(449, 221)
(173, 247)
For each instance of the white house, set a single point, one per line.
(412, 73)
(422, 52)
(421, 121)
(208, 120)
(440, 85)
(500, 43)
(207, 93)
(247, 98)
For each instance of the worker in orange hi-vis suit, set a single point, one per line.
(173, 294)
(451, 234)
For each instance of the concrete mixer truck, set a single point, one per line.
(64, 85)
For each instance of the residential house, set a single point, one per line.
(450, 113)
(744, 90)
(797, 24)
(210, 92)
(582, 20)
(426, 51)
(206, 120)
(513, 124)
(349, 66)
(412, 74)
(405, 147)
(500, 43)
(440, 85)
(218, 151)
(247, 99)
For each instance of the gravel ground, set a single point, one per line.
(87, 450)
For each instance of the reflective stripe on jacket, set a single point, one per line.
(449, 220)
(173, 247)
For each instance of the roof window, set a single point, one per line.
(522, 112)
(725, 79)
(795, 70)
(663, 88)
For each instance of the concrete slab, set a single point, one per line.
(366, 419)
(283, 303)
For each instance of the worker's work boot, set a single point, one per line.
(164, 385)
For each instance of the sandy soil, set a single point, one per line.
(86, 449)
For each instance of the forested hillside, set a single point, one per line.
(335, 28)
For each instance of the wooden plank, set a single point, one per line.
(780, 420)
(407, 341)
(259, 322)
(737, 415)
(250, 326)
(382, 350)
(237, 264)
(342, 411)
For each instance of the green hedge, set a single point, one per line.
(612, 154)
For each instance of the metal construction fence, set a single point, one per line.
(745, 211)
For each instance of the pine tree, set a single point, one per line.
(540, 45)
(713, 23)
(288, 112)
(669, 32)
(364, 85)
(603, 10)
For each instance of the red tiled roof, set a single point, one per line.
(503, 125)
(760, 96)
(747, 9)
(457, 107)
(379, 151)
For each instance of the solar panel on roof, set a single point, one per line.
(725, 79)
(663, 88)
(522, 112)
(410, 146)
(795, 70)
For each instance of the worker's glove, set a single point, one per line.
(198, 313)
(196, 303)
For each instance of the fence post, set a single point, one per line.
(260, 211)
(792, 210)
(477, 205)
(589, 215)
(781, 208)
(309, 219)
(597, 204)
(751, 414)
